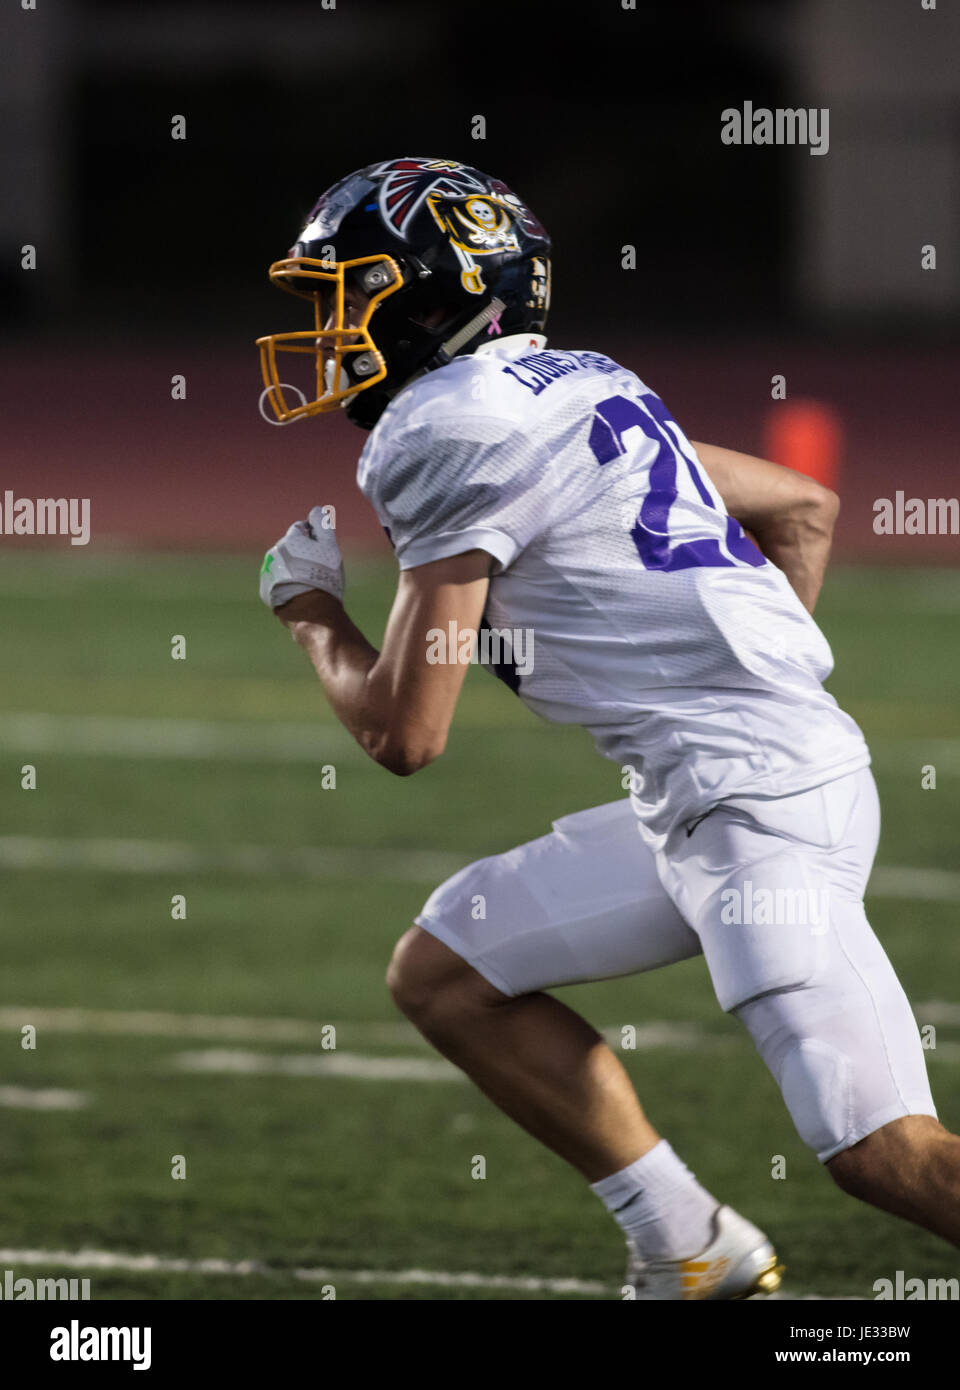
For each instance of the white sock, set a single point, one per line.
(659, 1205)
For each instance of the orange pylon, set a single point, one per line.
(805, 435)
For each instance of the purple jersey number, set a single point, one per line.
(651, 533)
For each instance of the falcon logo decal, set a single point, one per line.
(408, 182)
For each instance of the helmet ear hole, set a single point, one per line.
(433, 310)
(437, 318)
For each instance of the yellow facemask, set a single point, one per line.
(373, 278)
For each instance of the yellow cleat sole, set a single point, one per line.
(766, 1282)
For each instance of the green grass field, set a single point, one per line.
(200, 777)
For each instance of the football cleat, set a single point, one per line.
(737, 1262)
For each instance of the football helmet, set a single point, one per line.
(408, 264)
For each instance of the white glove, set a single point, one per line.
(306, 558)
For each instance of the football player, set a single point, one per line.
(549, 497)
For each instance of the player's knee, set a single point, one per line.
(890, 1159)
(431, 984)
(405, 980)
(854, 1170)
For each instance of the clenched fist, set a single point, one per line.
(307, 557)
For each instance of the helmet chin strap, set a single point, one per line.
(444, 354)
(452, 346)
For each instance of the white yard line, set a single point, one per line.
(359, 1067)
(918, 885)
(126, 736)
(675, 1034)
(147, 1023)
(28, 1098)
(908, 756)
(939, 1011)
(164, 856)
(655, 1034)
(407, 865)
(107, 1261)
(648, 1036)
(286, 741)
(335, 1063)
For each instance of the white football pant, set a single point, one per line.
(769, 890)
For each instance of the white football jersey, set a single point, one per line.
(655, 622)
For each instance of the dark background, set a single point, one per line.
(609, 126)
(152, 252)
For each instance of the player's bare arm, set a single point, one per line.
(395, 703)
(790, 516)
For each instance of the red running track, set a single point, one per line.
(208, 471)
